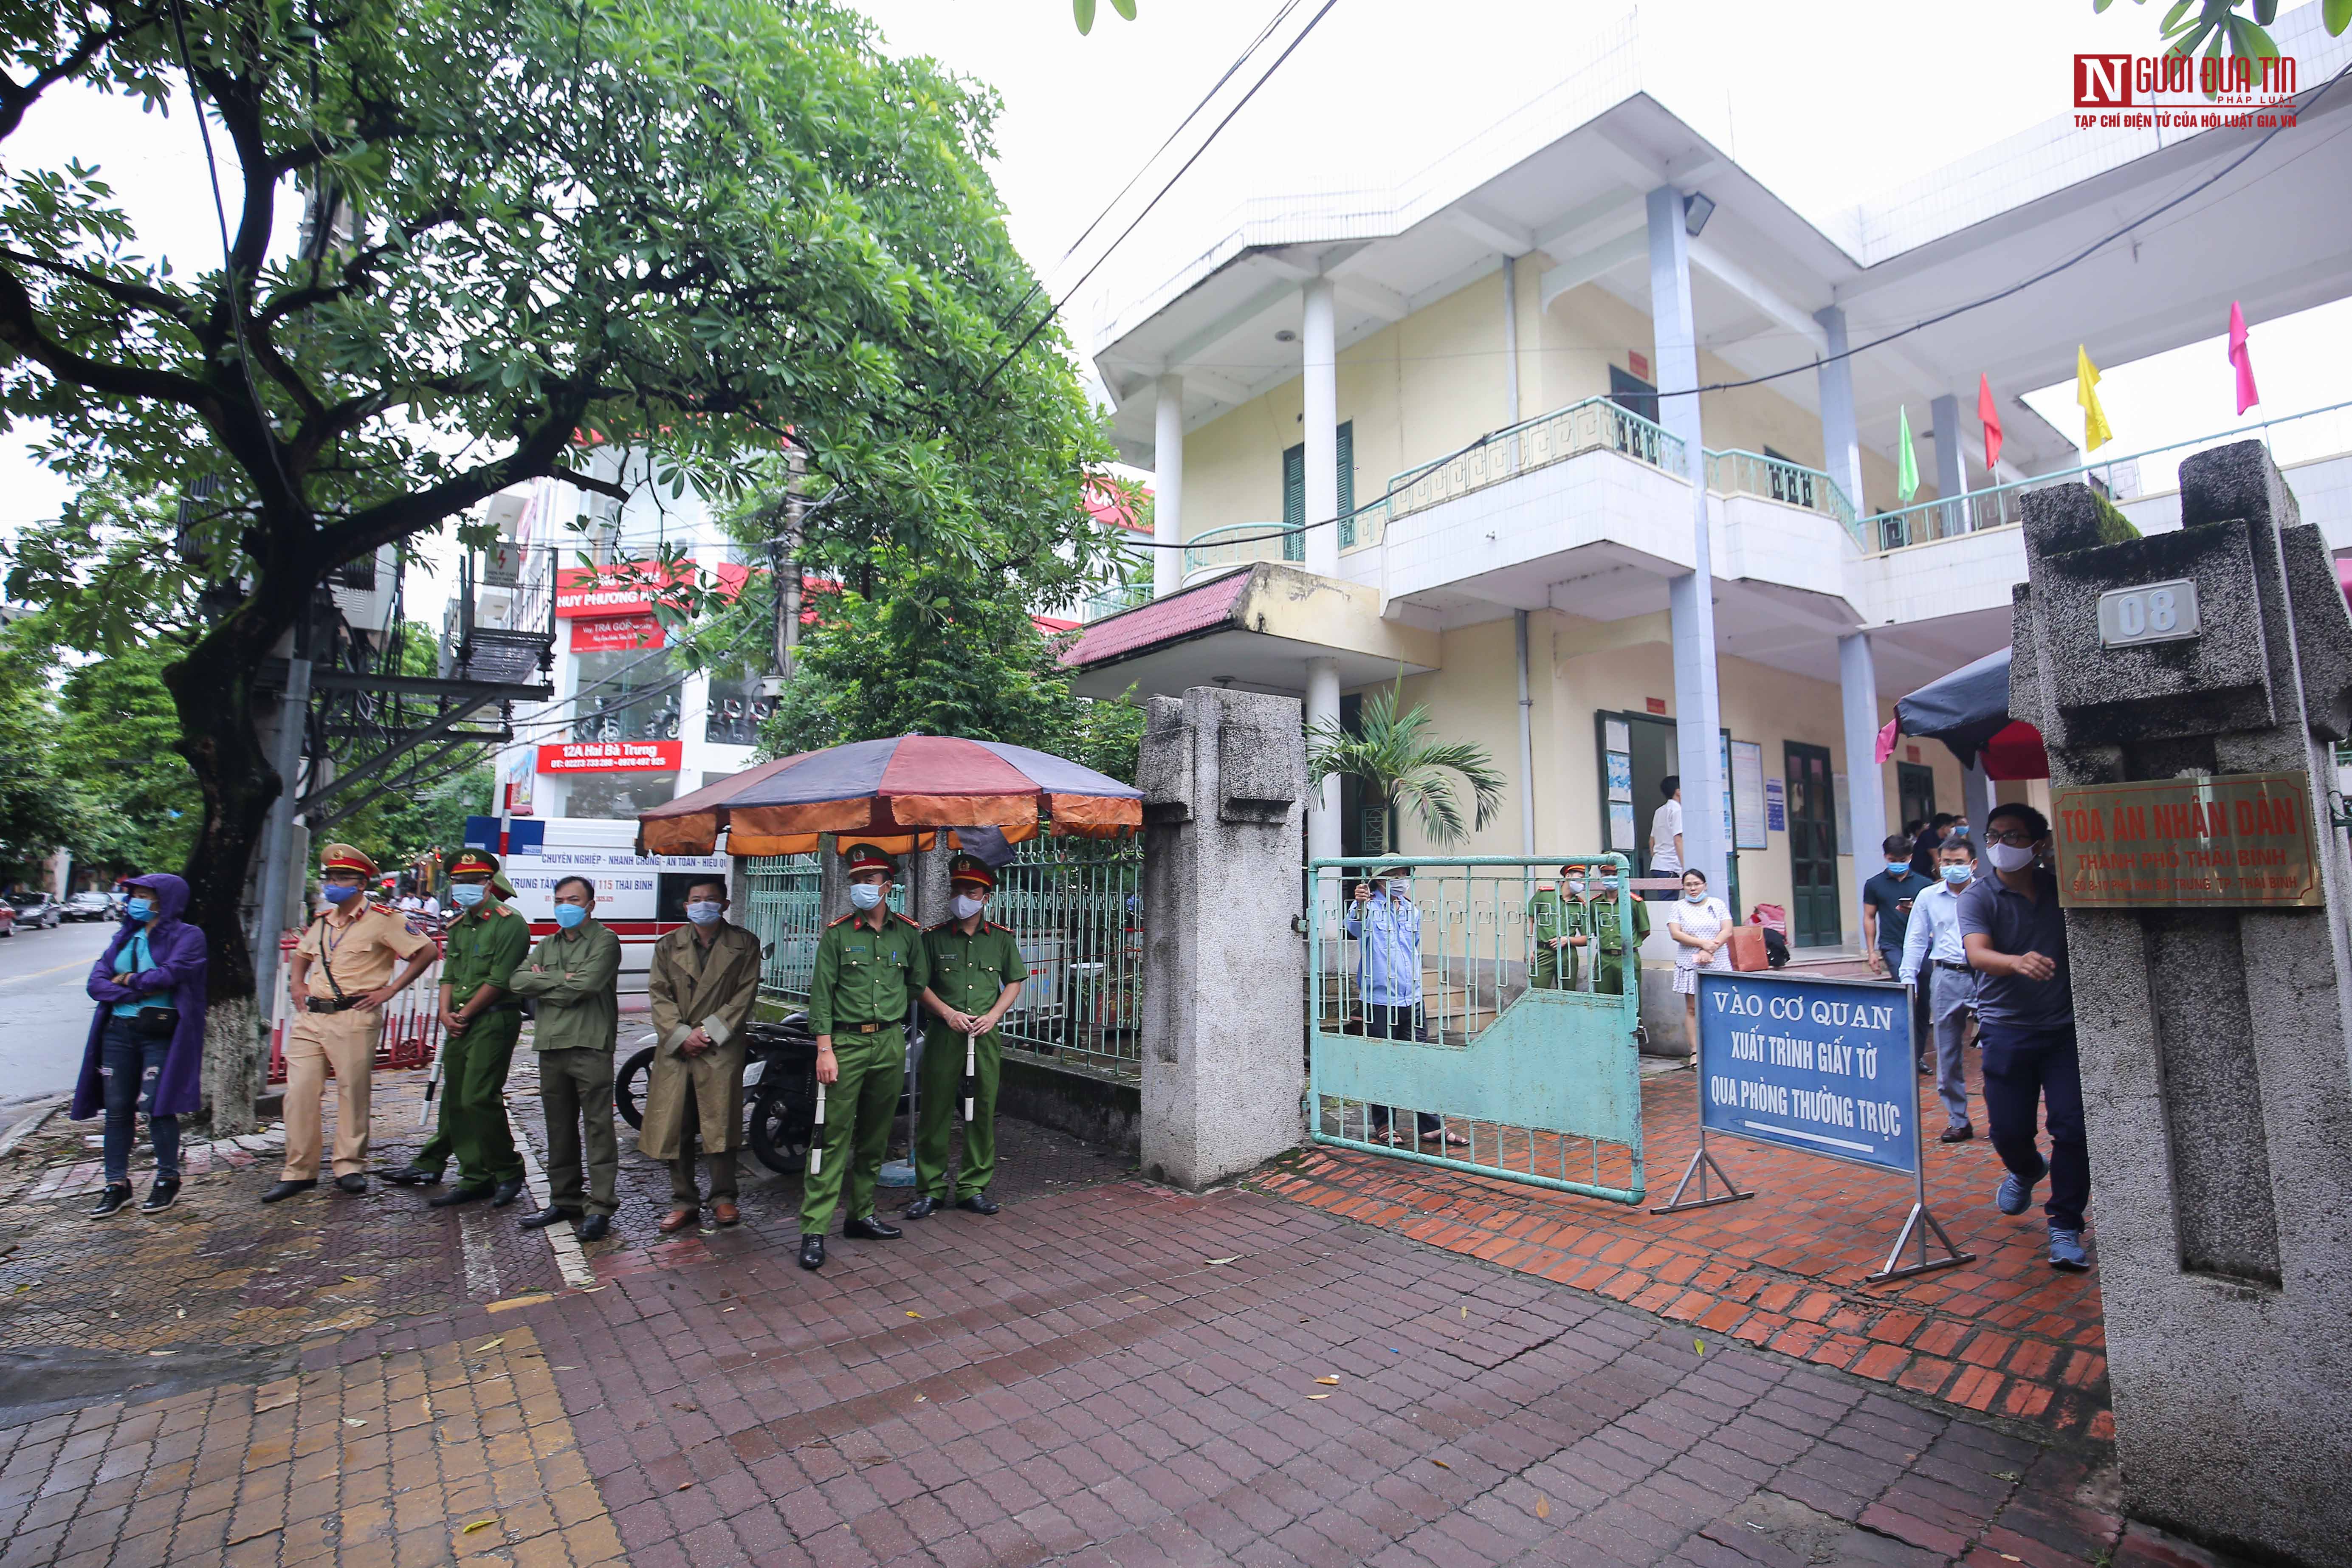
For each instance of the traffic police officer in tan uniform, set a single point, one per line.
(341, 978)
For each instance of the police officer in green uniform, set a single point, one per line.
(870, 967)
(483, 1020)
(1615, 956)
(1560, 926)
(976, 974)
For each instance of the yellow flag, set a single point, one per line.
(2096, 432)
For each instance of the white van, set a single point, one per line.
(638, 897)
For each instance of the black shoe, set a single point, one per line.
(979, 1203)
(456, 1195)
(922, 1208)
(285, 1190)
(160, 1195)
(596, 1228)
(507, 1192)
(117, 1195)
(413, 1176)
(812, 1252)
(1960, 1134)
(870, 1229)
(353, 1183)
(546, 1217)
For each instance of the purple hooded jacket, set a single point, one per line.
(179, 951)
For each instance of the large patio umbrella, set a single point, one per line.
(1968, 710)
(894, 795)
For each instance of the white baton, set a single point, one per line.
(970, 1068)
(817, 1134)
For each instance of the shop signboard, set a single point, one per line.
(611, 756)
(613, 634)
(631, 588)
(2222, 841)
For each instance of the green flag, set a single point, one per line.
(1906, 462)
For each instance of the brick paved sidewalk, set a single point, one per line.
(2004, 1334)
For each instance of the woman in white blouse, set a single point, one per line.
(1701, 927)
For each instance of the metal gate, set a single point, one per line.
(1075, 907)
(1423, 1010)
(785, 915)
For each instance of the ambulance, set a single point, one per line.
(638, 897)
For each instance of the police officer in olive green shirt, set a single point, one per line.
(870, 967)
(572, 979)
(976, 974)
(1616, 958)
(482, 1021)
(1558, 925)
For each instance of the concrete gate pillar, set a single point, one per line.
(1225, 779)
(2213, 1040)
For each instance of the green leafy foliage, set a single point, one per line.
(1397, 760)
(2216, 25)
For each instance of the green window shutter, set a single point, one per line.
(1346, 484)
(1294, 501)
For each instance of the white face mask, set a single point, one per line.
(865, 895)
(1576, 886)
(703, 914)
(2009, 857)
(966, 906)
(1400, 888)
(1697, 897)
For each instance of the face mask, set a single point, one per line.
(1609, 885)
(704, 914)
(2009, 857)
(1955, 875)
(1960, 830)
(865, 895)
(965, 907)
(1698, 898)
(337, 894)
(568, 915)
(1897, 868)
(1576, 886)
(1400, 889)
(466, 894)
(138, 909)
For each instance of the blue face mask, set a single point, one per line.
(465, 894)
(1897, 868)
(1957, 874)
(138, 909)
(568, 915)
(336, 894)
(865, 895)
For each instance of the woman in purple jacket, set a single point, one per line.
(147, 1040)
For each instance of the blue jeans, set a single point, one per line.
(131, 1067)
(2030, 1070)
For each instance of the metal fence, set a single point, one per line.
(1735, 472)
(1434, 1038)
(787, 916)
(1075, 907)
(1594, 425)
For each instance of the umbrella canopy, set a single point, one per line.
(894, 795)
(1968, 711)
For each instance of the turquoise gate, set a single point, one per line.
(1435, 1008)
(786, 907)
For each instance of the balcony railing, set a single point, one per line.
(1117, 599)
(1220, 550)
(1739, 473)
(2293, 438)
(1595, 425)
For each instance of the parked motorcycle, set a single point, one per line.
(778, 1091)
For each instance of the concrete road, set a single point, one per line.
(44, 1011)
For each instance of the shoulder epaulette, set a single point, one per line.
(843, 920)
(1006, 930)
(908, 917)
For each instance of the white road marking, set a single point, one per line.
(569, 1260)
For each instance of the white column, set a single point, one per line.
(1840, 432)
(1951, 476)
(1323, 799)
(1865, 779)
(1168, 488)
(1319, 340)
(1691, 597)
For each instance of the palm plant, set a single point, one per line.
(1395, 760)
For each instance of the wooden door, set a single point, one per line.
(1812, 849)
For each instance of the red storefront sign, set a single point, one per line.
(611, 756)
(630, 587)
(611, 634)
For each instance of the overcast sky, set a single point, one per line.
(1884, 91)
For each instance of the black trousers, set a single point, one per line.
(1383, 1022)
(2030, 1070)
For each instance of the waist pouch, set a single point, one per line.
(155, 1023)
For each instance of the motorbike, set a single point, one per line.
(778, 1091)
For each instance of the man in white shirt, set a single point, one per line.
(1666, 832)
(1932, 943)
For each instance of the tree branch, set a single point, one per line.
(588, 481)
(20, 329)
(16, 98)
(137, 296)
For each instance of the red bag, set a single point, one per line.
(1747, 949)
(1772, 915)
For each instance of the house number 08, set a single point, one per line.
(2154, 612)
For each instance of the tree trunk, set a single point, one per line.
(211, 689)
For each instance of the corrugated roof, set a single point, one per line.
(1179, 615)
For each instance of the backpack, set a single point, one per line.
(1776, 948)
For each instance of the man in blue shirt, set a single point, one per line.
(2015, 937)
(1936, 966)
(1886, 900)
(1386, 926)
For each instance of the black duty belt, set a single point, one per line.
(1958, 968)
(865, 1029)
(332, 1004)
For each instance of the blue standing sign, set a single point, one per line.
(1819, 1065)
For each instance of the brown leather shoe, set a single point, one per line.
(679, 1219)
(725, 1213)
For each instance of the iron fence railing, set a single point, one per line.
(1739, 473)
(1117, 599)
(1075, 907)
(1220, 550)
(1594, 425)
(787, 916)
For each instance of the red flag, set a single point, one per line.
(1990, 414)
(2240, 359)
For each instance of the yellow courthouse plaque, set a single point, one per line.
(2233, 840)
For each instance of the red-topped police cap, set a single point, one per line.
(474, 862)
(345, 857)
(971, 869)
(866, 857)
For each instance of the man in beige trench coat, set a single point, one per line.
(704, 978)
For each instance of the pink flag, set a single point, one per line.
(1887, 740)
(2245, 361)
(1989, 413)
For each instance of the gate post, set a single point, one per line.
(1225, 776)
(2210, 1006)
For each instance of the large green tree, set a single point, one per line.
(705, 228)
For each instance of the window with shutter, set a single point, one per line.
(1294, 501)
